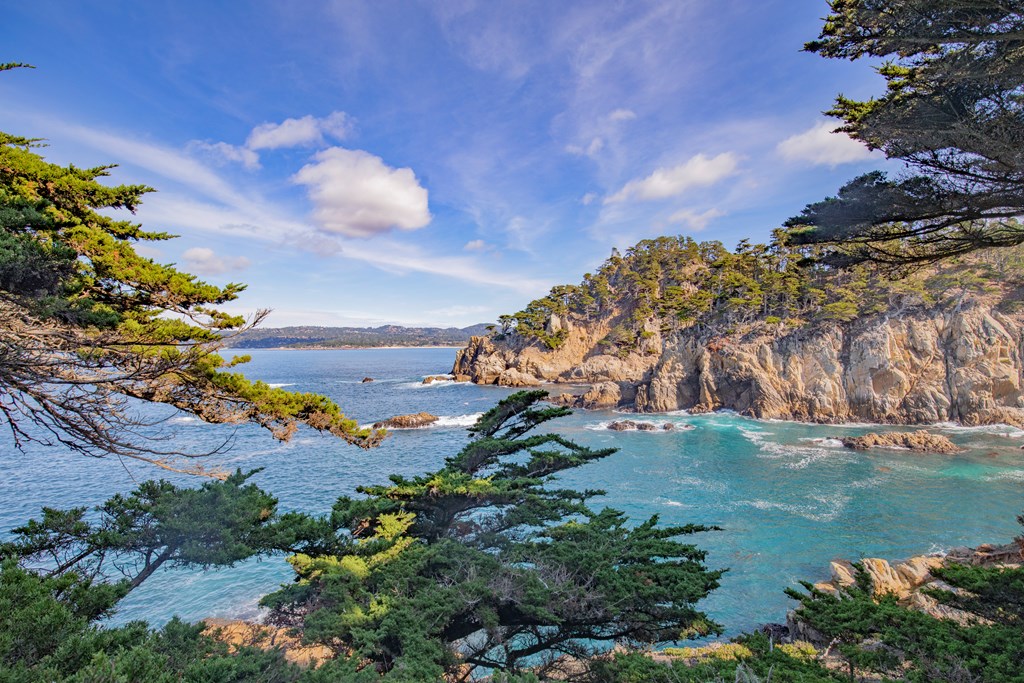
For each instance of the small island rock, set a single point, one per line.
(628, 425)
(436, 378)
(921, 441)
(365, 380)
(413, 421)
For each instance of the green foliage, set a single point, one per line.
(751, 660)
(47, 633)
(484, 563)
(217, 524)
(952, 110)
(674, 283)
(86, 322)
(881, 636)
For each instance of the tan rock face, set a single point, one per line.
(910, 580)
(413, 421)
(922, 441)
(922, 366)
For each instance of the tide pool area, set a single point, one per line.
(787, 497)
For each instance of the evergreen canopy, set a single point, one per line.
(86, 323)
(484, 564)
(953, 111)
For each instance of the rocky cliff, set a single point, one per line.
(918, 364)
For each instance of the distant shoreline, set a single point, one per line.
(339, 348)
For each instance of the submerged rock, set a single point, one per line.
(921, 441)
(630, 425)
(413, 421)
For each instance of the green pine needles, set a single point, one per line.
(484, 564)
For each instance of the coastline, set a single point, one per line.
(338, 348)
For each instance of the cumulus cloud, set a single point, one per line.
(302, 132)
(693, 220)
(205, 262)
(356, 194)
(222, 152)
(698, 171)
(821, 147)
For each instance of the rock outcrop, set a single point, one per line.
(633, 425)
(921, 440)
(915, 366)
(910, 580)
(413, 421)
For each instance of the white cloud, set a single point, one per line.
(305, 131)
(357, 195)
(821, 147)
(693, 220)
(698, 171)
(588, 199)
(622, 115)
(222, 151)
(476, 245)
(205, 262)
(457, 311)
(591, 150)
(249, 216)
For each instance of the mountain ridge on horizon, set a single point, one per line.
(319, 336)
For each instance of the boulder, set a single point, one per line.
(413, 421)
(514, 378)
(885, 579)
(463, 378)
(436, 378)
(631, 425)
(602, 395)
(921, 441)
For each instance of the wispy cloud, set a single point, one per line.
(204, 261)
(819, 146)
(236, 213)
(223, 152)
(693, 220)
(698, 171)
(300, 132)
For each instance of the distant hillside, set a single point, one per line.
(310, 336)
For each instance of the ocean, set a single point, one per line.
(787, 496)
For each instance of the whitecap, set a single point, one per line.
(442, 422)
(433, 385)
(834, 504)
(658, 424)
(1009, 475)
(1003, 430)
(457, 420)
(279, 385)
(824, 442)
(184, 420)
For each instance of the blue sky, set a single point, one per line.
(360, 163)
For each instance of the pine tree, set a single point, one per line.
(953, 111)
(484, 564)
(87, 324)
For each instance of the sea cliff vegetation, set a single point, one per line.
(669, 284)
(483, 567)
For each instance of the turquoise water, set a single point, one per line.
(788, 499)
